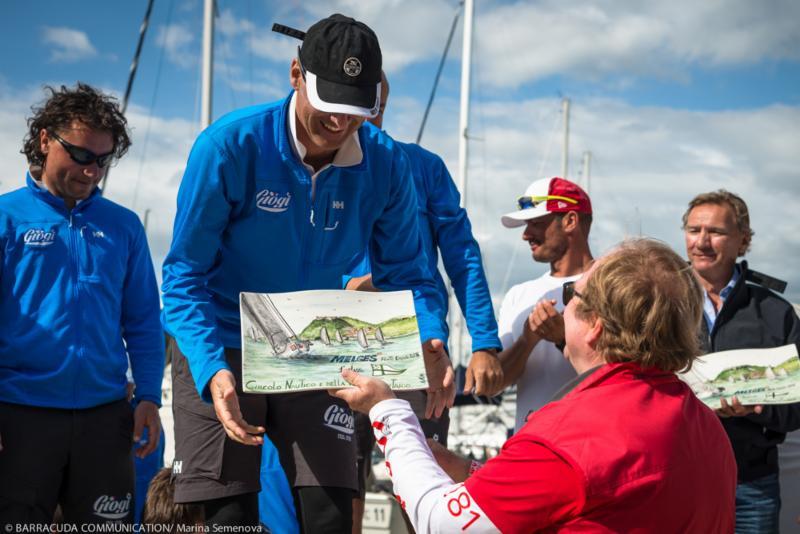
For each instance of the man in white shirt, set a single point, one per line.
(557, 216)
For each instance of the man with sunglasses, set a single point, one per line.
(557, 216)
(78, 304)
(283, 197)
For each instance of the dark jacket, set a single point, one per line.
(754, 317)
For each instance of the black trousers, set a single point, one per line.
(80, 459)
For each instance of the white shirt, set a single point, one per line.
(546, 369)
(348, 155)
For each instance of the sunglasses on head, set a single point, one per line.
(83, 156)
(531, 202)
(568, 291)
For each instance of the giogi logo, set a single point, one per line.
(109, 507)
(36, 237)
(339, 419)
(273, 202)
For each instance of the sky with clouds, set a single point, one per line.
(671, 99)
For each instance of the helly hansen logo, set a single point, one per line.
(338, 204)
(36, 237)
(339, 418)
(273, 202)
(109, 507)
(177, 467)
(98, 234)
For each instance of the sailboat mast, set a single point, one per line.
(456, 321)
(565, 148)
(208, 63)
(463, 121)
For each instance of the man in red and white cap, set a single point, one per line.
(557, 215)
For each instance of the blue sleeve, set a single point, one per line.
(396, 253)
(201, 218)
(461, 255)
(359, 267)
(141, 326)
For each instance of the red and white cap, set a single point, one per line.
(550, 195)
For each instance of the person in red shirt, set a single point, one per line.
(625, 447)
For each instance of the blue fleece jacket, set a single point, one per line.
(445, 228)
(78, 296)
(247, 221)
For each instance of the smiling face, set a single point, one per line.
(62, 176)
(713, 242)
(546, 237)
(321, 133)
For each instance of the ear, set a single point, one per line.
(44, 141)
(743, 247)
(295, 74)
(592, 335)
(569, 222)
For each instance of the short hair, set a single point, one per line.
(160, 507)
(738, 206)
(83, 103)
(650, 305)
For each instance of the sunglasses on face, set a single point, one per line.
(568, 291)
(83, 156)
(531, 202)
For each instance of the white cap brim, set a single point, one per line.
(332, 107)
(521, 217)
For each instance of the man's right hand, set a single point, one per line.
(226, 405)
(546, 322)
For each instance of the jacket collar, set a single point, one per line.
(284, 135)
(616, 371)
(42, 193)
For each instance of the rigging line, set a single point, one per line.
(516, 249)
(150, 112)
(132, 74)
(439, 73)
(548, 148)
(250, 52)
(225, 66)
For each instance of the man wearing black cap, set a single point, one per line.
(283, 197)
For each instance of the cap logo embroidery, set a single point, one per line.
(352, 67)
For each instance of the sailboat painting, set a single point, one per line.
(753, 376)
(302, 340)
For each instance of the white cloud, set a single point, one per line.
(526, 41)
(522, 41)
(68, 45)
(647, 164)
(177, 40)
(229, 25)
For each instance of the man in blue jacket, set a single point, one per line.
(284, 197)
(445, 228)
(78, 300)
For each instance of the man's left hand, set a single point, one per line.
(484, 374)
(441, 378)
(368, 391)
(454, 465)
(146, 415)
(737, 409)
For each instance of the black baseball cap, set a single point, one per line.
(341, 61)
